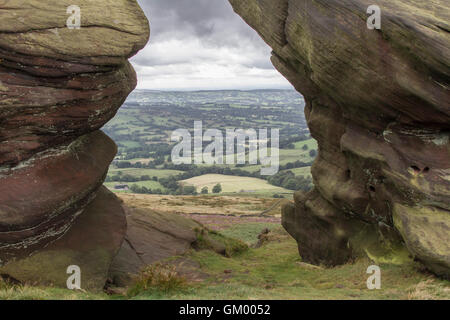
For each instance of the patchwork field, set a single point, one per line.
(143, 126)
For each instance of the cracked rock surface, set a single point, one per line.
(378, 104)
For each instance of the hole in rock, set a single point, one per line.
(372, 189)
(348, 174)
(415, 169)
(426, 169)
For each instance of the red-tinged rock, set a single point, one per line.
(58, 87)
(39, 113)
(151, 236)
(41, 199)
(91, 243)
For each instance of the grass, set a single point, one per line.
(247, 232)
(130, 144)
(219, 243)
(273, 271)
(306, 171)
(231, 184)
(9, 291)
(311, 143)
(202, 204)
(158, 277)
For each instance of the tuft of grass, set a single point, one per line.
(158, 277)
(429, 290)
(9, 285)
(10, 290)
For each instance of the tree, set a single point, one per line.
(135, 188)
(313, 153)
(305, 147)
(189, 190)
(217, 188)
(205, 190)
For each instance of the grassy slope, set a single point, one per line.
(275, 271)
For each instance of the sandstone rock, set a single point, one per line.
(111, 31)
(40, 199)
(58, 87)
(151, 236)
(379, 106)
(91, 243)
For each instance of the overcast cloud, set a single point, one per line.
(202, 44)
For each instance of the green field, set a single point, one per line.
(311, 143)
(306, 172)
(143, 126)
(233, 184)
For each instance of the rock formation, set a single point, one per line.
(58, 87)
(378, 104)
(151, 237)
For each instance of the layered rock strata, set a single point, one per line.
(378, 103)
(58, 87)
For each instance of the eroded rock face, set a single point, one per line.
(151, 237)
(379, 106)
(58, 87)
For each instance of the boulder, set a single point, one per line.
(377, 102)
(40, 201)
(151, 236)
(58, 87)
(90, 243)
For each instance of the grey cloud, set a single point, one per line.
(202, 17)
(222, 36)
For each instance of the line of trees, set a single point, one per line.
(119, 177)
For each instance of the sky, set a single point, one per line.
(202, 45)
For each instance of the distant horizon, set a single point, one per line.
(212, 90)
